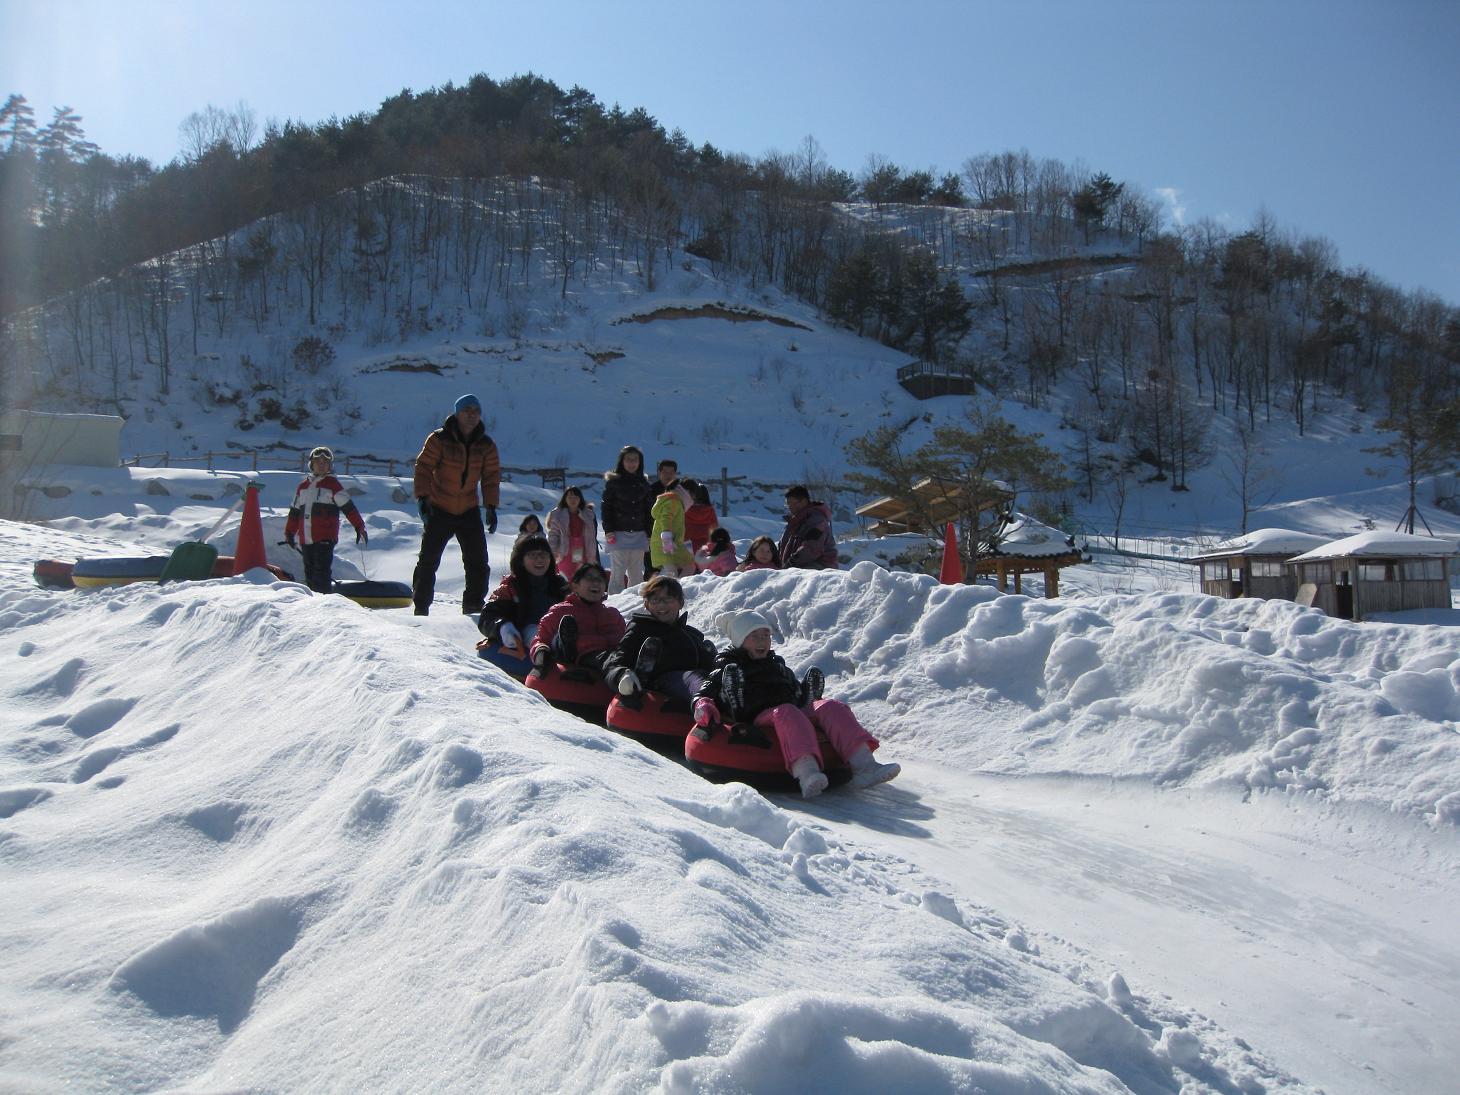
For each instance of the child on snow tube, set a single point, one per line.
(755, 685)
(659, 650)
(510, 617)
(580, 630)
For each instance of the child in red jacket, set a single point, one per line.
(581, 630)
(699, 519)
(313, 525)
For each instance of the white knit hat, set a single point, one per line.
(738, 625)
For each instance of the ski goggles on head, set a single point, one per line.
(321, 453)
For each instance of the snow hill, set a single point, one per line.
(258, 839)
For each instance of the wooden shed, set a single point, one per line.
(1252, 565)
(1375, 572)
(1025, 546)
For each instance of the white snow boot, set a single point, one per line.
(809, 775)
(866, 771)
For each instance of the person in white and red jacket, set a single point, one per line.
(313, 526)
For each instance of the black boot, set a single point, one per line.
(812, 685)
(648, 657)
(568, 640)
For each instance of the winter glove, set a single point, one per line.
(610, 538)
(706, 713)
(290, 541)
(360, 537)
(628, 684)
(423, 505)
(666, 541)
(508, 635)
(489, 518)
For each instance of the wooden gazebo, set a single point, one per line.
(1025, 546)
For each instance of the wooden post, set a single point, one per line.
(724, 490)
(210, 460)
(1052, 581)
(255, 455)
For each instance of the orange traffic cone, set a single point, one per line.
(952, 572)
(250, 550)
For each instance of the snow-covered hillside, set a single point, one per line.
(574, 359)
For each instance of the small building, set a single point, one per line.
(1252, 565)
(1375, 572)
(32, 440)
(1025, 546)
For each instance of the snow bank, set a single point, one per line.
(1175, 688)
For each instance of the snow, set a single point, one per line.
(256, 838)
(1027, 538)
(1374, 543)
(1266, 541)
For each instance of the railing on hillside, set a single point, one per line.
(926, 379)
(557, 478)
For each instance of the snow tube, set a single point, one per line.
(121, 570)
(376, 594)
(575, 689)
(751, 754)
(511, 660)
(53, 574)
(661, 718)
(118, 570)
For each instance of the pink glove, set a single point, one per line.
(610, 538)
(666, 541)
(706, 713)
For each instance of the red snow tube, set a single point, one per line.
(575, 689)
(751, 754)
(53, 574)
(661, 718)
(223, 568)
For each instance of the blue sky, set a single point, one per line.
(1340, 117)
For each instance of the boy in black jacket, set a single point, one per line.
(660, 650)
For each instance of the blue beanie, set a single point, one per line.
(468, 401)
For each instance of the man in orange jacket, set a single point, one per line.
(456, 462)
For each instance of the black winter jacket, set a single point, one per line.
(769, 682)
(521, 601)
(682, 647)
(626, 503)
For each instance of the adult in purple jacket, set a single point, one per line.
(808, 542)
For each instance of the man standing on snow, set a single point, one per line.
(455, 462)
(807, 542)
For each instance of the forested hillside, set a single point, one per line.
(483, 209)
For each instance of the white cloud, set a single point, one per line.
(1175, 207)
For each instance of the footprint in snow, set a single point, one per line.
(15, 799)
(212, 970)
(99, 717)
(221, 821)
(60, 683)
(98, 760)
